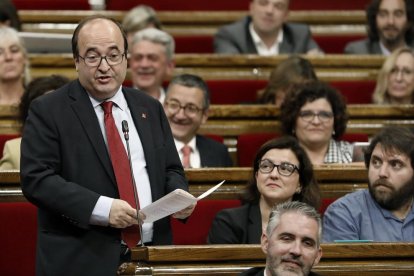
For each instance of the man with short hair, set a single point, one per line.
(390, 26)
(187, 105)
(384, 212)
(151, 61)
(75, 166)
(291, 241)
(265, 32)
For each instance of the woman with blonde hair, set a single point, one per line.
(14, 67)
(395, 83)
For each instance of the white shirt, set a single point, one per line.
(261, 47)
(120, 112)
(195, 161)
(384, 49)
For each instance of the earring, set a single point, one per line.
(333, 133)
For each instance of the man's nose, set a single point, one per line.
(296, 248)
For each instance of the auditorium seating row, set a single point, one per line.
(20, 216)
(185, 5)
(338, 259)
(193, 31)
(244, 128)
(236, 79)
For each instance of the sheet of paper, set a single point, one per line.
(209, 191)
(175, 201)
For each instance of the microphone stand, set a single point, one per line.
(125, 130)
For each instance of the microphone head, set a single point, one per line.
(125, 128)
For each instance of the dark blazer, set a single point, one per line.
(364, 47)
(240, 225)
(212, 153)
(235, 38)
(65, 168)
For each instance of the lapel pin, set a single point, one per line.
(144, 115)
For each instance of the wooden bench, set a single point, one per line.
(254, 67)
(338, 259)
(334, 181)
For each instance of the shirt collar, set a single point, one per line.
(259, 42)
(179, 145)
(118, 99)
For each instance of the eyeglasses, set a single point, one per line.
(190, 110)
(323, 116)
(405, 72)
(284, 168)
(94, 60)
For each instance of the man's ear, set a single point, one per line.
(264, 241)
(205, 116)
(318, 257)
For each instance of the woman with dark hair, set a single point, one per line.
(291, 71)
(36, 88)
(316, 115)
(281, 172)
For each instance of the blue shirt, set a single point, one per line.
(357, 216)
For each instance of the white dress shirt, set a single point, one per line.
(261, 47)
(120, 112)
(195, 161)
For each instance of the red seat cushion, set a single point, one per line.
(335, 44)
(356, 92)
(51, 4)
(249, 144)
(199, 44)
(18, 236)
(195, 230)
(355, 137)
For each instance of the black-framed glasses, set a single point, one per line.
(94, 60)
(174, 106)
(284, 168)
(323, 116)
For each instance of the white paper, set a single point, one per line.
(175, 201)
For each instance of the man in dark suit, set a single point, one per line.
(265, 32)
(66, 169)
(390, 26)
(186, 105)
(291, 241)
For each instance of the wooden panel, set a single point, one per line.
(334, 181)
(337, 259)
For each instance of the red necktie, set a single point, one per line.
(120, 164)
(186, 150)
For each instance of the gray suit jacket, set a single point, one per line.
(235, 38)
(65, 168)
(364, 47)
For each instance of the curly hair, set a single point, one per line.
(372, 11)
(309, 188)
(310, 92)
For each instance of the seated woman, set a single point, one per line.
(284, 76)
(281, 172)
(316, 115)
(395, 83)
(14, 67)
(36, 88)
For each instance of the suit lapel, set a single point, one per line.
(141, 118)
(254, 224)
(82, 107)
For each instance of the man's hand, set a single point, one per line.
(123, 215)
(185, 212)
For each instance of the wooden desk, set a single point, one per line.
(213, 66)
(338, 259)
(196, 22)
(334, 181)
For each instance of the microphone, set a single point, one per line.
(125, 130)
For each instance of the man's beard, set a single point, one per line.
(392, 199)
(276, 268)
(394, 40)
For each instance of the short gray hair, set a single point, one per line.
(10, 34)
(293, 207)
(156, 36)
